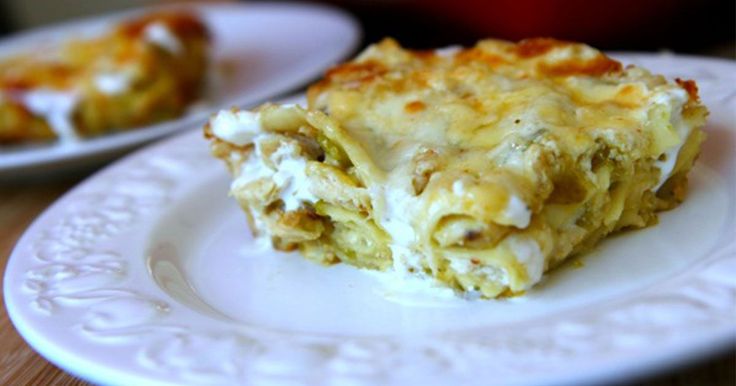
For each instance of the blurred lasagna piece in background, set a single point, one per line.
(142, 71)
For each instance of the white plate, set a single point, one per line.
(146, 273)
(269, 48)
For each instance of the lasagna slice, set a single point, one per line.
(479, 168)
(143, 71)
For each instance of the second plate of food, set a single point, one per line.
(257, 51)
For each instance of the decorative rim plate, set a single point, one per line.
(260, 50)
(146, 273)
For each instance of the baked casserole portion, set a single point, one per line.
(480, 168)
(142, 71)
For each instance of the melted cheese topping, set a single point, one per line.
(496, 93)
(113, 83)
(160, 35)
(56, 107)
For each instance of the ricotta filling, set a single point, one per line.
(675, 99)
(238, 128)
(395, 208)
(112, 83)
(517, 212)
(253, 169)
(464, 266)
(461, 266)
(289, 175)
(529, 255)
(160, 35)
(56, 107)
(406, 262)
(291, 178)
(458, 188)
(243, 127)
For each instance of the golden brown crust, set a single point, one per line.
(600, 65)
(529, 48)
(478, 55)
(183, 23)
(691, 87)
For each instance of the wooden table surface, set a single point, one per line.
(20, 203)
